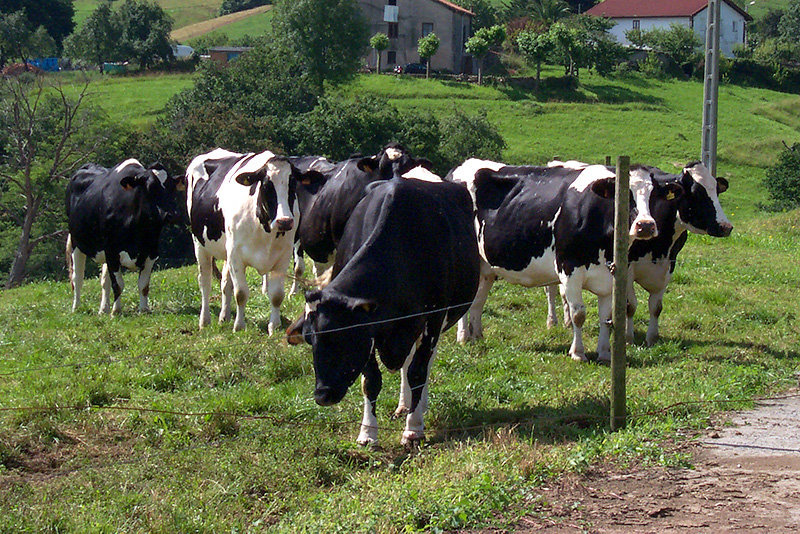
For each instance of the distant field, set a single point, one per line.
(183, 12)
(252, 22)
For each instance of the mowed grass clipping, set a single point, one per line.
(145, 423)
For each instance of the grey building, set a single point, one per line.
(405, 21)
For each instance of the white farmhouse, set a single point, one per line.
(650, 14)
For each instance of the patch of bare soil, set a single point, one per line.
(746, 480)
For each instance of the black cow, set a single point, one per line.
(406, 269)
(115, 216)
(539, 226)
(323, 223)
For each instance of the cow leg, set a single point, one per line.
(226, 285)
(144, 284)
(105, 295)
(418, 373)
(371, 382)
(573, 292)
(78, 270)
(299, 268)
(404, 402)
(205, 266)
(470, 326)
(656, 306)
(565, 304)
(604, 308)
(276, 294)
(630, 310)
(117, 285)
(552, 305)
(236, 272)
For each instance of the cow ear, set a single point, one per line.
(672, 191)
(722, 185)
(368, 165)
(129, 182)
(180, 184)
(604, 187)
(313, 296)
(365, 305)
(249, 178)
(294, 334)
(311, 178)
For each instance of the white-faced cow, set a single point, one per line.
(115, 216)
(242, 209)
(406, 269)
(539, 226)
(345, 185)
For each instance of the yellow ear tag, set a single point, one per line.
(670, 196)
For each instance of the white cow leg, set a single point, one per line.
(276, 295)
(573, 292)
(78, 270)
(299, 270)
(418, 375)
(226, 286)
(404, 401)
(105, 295)
(205, 265)
(144, 285)
(565, 304)
(371, 382)
(604, 308)
(656, 306)
(552, 305)
(630, 310)
(470, 326)
(240, 290)
(117, 285)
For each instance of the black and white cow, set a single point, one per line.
(406, 269)
(539, 226)
(242, 209)
(653, 262)
(115, 216)
(345, 185)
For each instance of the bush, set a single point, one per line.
(783, 180)
(469, 136)
(233, 6)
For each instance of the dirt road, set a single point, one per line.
(746, 480)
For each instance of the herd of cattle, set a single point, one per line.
(400, 254)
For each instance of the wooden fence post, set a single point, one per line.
(608, 161)
(620, 297)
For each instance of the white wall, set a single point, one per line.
(626, 24)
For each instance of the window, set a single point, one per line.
(636, 24)
(391, 3)
(427, 28)
(393, 31)
(734, 27)
(391, 57)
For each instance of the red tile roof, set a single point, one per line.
(654, 8)
(455, 7)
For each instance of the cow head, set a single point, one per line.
(273, 179)
(393, 161)
(699, 208)
(336, 327)
(157, 190)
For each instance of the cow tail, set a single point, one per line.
(217, 274)
(69, 257)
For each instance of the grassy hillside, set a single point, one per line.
(253, 22)
(183, 12)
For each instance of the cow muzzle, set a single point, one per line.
(724, 230)
(327, 396)
(284, 224)
(644, 230)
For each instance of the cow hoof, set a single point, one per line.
(238, 327)
(650, 341)
(551, 323)
(400, 412)
(603, 358)
(579, 357)
(412, 439)
(367, 441)
(144, 310)
(273, 328)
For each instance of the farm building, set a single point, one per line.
(405, 21)
(650, 14)
(225, 54)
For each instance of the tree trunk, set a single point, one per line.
(17, 273)
(538, 72)
(378, 63)
(480, 69)
(428, 68)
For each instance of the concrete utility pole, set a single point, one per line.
(711, 88)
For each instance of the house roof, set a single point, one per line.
(655, 8)
(455, 7)
(229, 48)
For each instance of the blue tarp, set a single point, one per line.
(49, 64)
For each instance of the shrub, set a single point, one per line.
(783, 180)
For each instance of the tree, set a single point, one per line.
(782, 181)
(547, 12)
(535, 47)
(49, 132)
(380, 42)
(55, 15)
(485, 13)
(328, 35)
(478, 46)
(98, 39)
(18, 41)
(789, 26)
(571, 45)
(144, 32)
(427, 47)
(678, 42)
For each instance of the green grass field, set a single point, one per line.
(183, 12)
(143, 423)
(253, 26)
